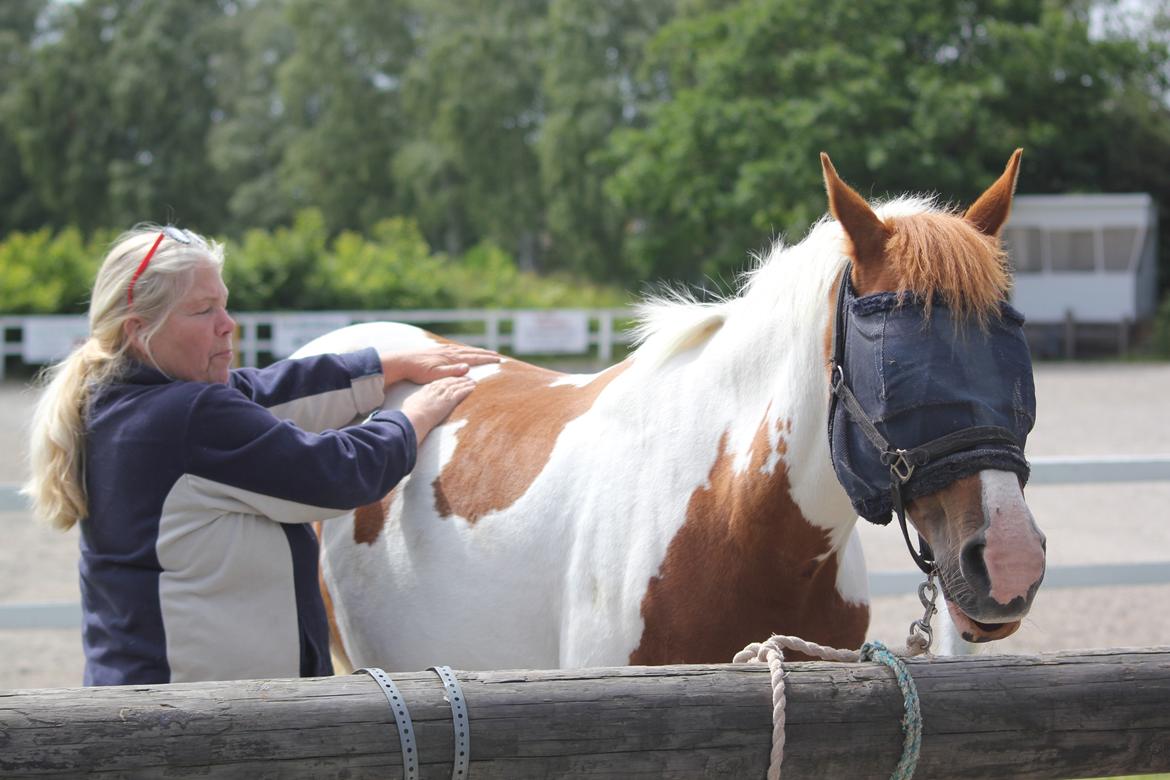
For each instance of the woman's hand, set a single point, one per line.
(427, 365)
(430, 406)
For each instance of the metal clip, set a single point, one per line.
(921, 634)
(901, 467)
(838, 378)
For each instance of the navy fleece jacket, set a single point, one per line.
(197, 560)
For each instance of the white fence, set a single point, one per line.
(1045, 471)
(39, 339)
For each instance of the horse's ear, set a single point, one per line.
(867, 233)
(991, 210)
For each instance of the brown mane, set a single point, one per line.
(942, 254)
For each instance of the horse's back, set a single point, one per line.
(383, 336)
(468, 544)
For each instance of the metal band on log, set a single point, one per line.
(1050, 716)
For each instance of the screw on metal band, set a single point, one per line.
(460, 722)
(401, 717)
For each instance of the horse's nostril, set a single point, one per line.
(972, 563)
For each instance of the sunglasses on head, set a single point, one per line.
(173, 233)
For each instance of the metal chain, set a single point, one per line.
(921, 635)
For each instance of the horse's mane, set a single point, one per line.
(972, 282)
(673, 321)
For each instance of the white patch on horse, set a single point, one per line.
(575, 380)
(852, 580)
(1014, 554)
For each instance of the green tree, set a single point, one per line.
(114, 109)
(162, 104)
(472, 97)
(913, 95)
(247, 141)
(19, 206)
(65, 134)
(1138, 154)
(591, 88)
(340, 95)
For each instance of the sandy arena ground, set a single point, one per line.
(1084, 409)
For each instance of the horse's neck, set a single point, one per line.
(766, 370)
(792, 302)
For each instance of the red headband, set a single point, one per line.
(174, 234)
(142, 267)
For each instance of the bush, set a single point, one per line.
(299, 268)
(281, 269)
(394, 269)
(45, 274)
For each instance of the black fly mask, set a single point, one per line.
(921, 400)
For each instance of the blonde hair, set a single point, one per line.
(57, 443)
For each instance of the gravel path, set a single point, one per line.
(1084, 409)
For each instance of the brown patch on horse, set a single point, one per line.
(341, 662)
(513, 420)
(745, 565)
(369, 520)
(961, 502)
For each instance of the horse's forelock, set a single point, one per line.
(937, 253)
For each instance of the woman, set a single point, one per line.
(195, 483)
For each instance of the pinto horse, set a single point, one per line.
(683, 503)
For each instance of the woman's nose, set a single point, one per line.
(227, 324)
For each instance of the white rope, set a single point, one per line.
(771, 652)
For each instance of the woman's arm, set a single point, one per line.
(241, 458)
(244, 459)
(318, 392)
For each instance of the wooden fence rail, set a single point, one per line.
(1026, 717)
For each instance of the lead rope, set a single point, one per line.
(918, 642)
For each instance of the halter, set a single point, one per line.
(1002, 447)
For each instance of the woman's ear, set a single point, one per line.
(132, 327)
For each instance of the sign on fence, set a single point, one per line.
(293, 331)
(560, 332)
(48, 339)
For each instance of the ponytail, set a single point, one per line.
(57, 445)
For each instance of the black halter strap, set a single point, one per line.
(901, 462)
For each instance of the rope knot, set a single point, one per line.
(772, 653)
